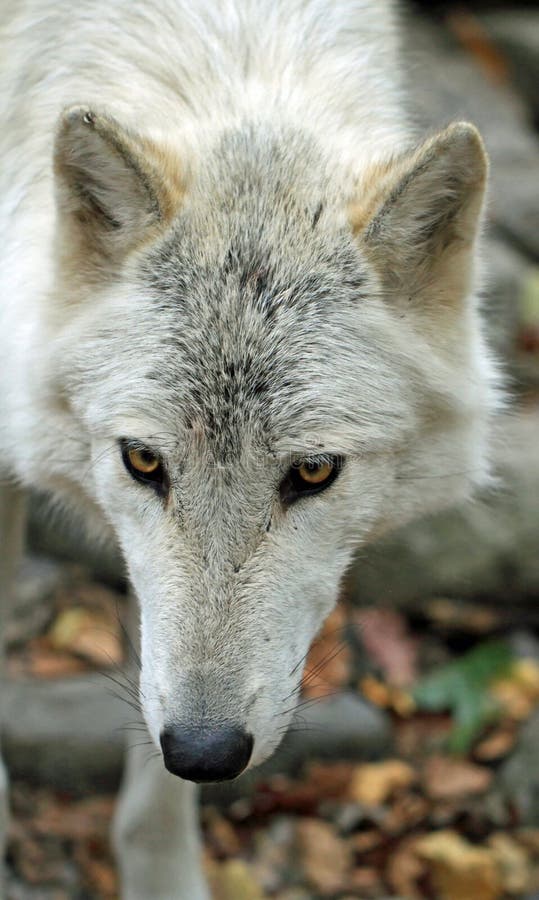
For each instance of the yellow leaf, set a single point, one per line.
(373, 783)
(458, 869)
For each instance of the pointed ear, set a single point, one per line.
(417, 218)
(112, 185)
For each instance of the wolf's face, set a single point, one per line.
(273, 362)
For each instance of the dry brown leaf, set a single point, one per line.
(529, 838)
(496, 745)
(513, 862)
(446, 778)
(373, 783)
(91, 633)
(364, 841)
(84, 820)
(375, 691)
(330, 780)
(99, 874)
(518, 692)
(233, 880)
(387, 696)
(220, 834)
(326, 859)
(458, 869)
(384, 634)
(365, 882)
(406, 812)
(468, 617)
(38, 660)
(297, 893)
(474, 37)
(404, 869)
(328, 665)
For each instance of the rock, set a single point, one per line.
(447, 85)
(38, 578)
(516, 33)
(64, 733)
(54, 534)
(486, 548)
(69, 734)
(524, 644)
(519, 775)
(506, 271)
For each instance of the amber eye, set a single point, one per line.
(143, 464)
(310, 476)
(315, 472)
(144, 461)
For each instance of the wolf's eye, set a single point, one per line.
(143, 464)
(310, 476)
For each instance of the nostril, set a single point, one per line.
(206, 754)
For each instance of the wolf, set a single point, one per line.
(240, 337)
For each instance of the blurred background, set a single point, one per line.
(411, 770)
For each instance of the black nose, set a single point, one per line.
(206, 754)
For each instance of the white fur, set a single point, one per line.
(246, 117)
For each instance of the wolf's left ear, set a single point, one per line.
(417, 218)
(111, 184)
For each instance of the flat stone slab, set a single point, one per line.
(70, 734)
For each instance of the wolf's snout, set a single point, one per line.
(206, 754)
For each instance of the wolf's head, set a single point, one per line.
(273, 361)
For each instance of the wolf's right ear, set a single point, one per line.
(417, 219)
(112, 185)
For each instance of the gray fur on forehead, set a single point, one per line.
(254, 276)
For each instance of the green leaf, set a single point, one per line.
(462, 687)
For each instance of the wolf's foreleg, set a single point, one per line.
(12, 528)
(156, 831)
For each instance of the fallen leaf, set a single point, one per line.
(513, 862)
(39, 660)
(474, 37)
(468, 617)
(463, 687)
(328, 664)
(99, 874)
(405, 813)
(385, 637)
(93, 634)
(78, 821)
(375, 691)
(330, 780)
(496, 745)
(518, 692)
(373, 783)
(233, 880)
(529, 838)
(405, 868)
(220, 834)
(458, 869)
(446, 778)
(387, 696)
(325, 858)
(365, 882)
(363, 841)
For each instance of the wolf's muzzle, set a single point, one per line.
(204, 754)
